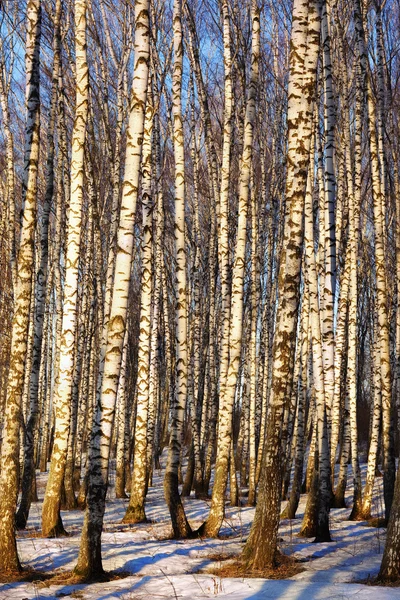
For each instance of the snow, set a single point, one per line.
(164, 569)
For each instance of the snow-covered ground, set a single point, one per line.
(163, 569)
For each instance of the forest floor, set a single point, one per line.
(162, 569)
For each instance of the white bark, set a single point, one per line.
(51, 519)
(89, 560)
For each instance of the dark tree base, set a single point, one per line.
(356, 515)
(309, 531)
(200, 490)
(338, 501)
(290, 509)
(378, 522)
(121, 495)
(91, 575)
(323, 534)
(21, 519)
(69, 502)
(180, 524)
(81, 503)
(135, 515)
(57, 530)
(365, 515)
(357, 512)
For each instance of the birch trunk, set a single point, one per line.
(51, 519)
(324, 489)
(329, 193)
(135, 512)
(223, 232)
(261, 547)
(122, 449)
(154, 378)
(382, 310)
(89, 560)
(40, 292)
(291, 508)
(253, 351)
(374, 436)
(9, 482)
(180, 524)
(227, 393)
(4, 102)
(352, 332)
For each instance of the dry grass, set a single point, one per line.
(71, 578)
(27, 575)
(287, 567)
(29, 533)
(376, 522)
(374, 581)
(220, 556)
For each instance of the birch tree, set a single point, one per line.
(52, 525)
(9, 475)
(261, 548)
(180, 524)
(40, 290)
(89, 560)
(228, 388)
